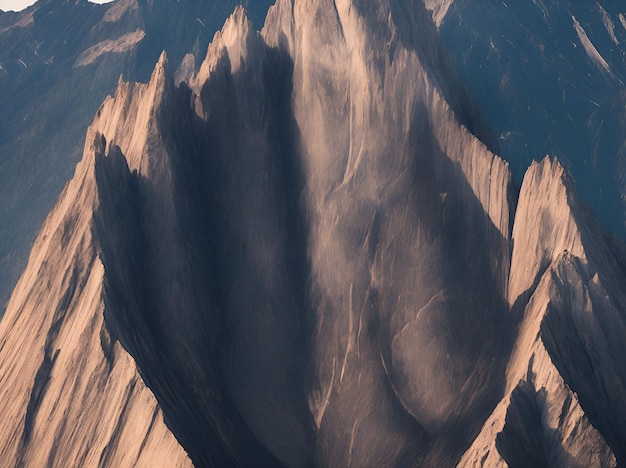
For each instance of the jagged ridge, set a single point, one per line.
(310, 259)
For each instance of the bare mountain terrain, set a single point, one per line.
(549, 77)
(59, 59)
(304, 252)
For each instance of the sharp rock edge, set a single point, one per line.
(58, 62)
(564, 384)
(73, 394)
(309, 258)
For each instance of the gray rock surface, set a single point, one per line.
(71, 394)
(563, 374)
(58, 61)
(304, 254)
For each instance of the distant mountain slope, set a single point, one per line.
(549, 77)
(301, 255)
(58, 60)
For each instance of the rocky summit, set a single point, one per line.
(59, 59)
(304, 250)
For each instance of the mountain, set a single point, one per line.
(58, 61)
(305, 253)
(549, 77)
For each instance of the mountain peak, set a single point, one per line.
(237, 41)
(75, 355)
(547, 193)
(131, 118)
(161, 69)
(308, 255)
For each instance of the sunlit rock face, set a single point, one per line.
(71, 393)
(58, 61)
(305, 253)
(395, 191)
(567, 289)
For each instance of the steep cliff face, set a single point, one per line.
(562, 376)
(305, 254)
(58, 61)
(388, 173)
(209, 219)
(73, 394)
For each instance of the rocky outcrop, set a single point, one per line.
(58, 62)
(388, 172)
(305, 254)
(71, 392)
(562, 376)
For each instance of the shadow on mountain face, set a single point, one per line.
(48, 98)
(239, 330)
